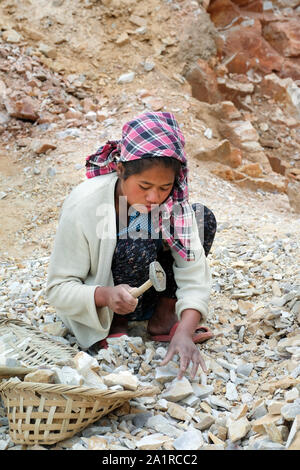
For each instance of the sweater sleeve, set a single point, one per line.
(193, 278)
(68, 270)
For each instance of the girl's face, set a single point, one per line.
(152, 186)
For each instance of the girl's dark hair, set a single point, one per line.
(138, 166)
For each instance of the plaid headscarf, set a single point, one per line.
(153, 134)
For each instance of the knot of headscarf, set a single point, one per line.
(153, 135)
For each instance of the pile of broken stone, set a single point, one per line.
(32, 94)
(250, 397)
(186, 414)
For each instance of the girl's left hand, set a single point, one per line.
(183, 345)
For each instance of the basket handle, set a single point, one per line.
(14, 371)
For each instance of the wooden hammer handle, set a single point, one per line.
(137, 291)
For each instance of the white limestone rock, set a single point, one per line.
(191, 400)
(68, 376)
(203, 421)
(124, 378)
(179, 412)
(191, 439)
(162, 425)
(217, 402)
(152, 442)
(165, 374)
(294, 431)
(92, 379)
(178, 390)
(238, 429)
(290, 411)
(40, 376)
(4, 444)
(266, 444)
(231, 392)
(84, 361)
(202, 391)
(126, 77)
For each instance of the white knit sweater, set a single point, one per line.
(81, 260)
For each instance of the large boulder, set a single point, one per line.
(25, 108)
(203, 81)
(283, 90)
(223, 12)
(284, 36)
(243, 48)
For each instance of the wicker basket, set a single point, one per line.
(41, 413)
(46, 414)
(41, 350)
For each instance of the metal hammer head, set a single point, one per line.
(157, 276)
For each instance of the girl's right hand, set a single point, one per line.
(117, 298)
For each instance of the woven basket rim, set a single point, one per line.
(15, 385)
(39, 335)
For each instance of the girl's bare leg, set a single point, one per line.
(163, 318)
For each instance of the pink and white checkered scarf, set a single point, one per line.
(153, 135)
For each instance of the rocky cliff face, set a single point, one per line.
(257, 68)
(69, 66)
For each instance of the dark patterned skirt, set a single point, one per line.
(132, 257)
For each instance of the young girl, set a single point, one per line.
(133, 209)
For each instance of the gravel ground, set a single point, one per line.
(249, 399)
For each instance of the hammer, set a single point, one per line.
(157, 279)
